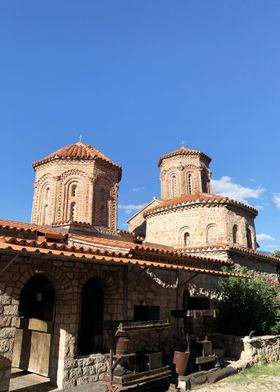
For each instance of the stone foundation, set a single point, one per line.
(260, 350)
(84, 370)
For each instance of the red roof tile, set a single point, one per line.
(229, 248)
(142, 250)
(97, 255)
(78, 151)
(198, 198)
(183, 151)
(29, 227)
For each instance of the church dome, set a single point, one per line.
(183, 151)
(77, 151)
(76, 183)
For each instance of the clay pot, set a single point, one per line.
(180, 360)
(122, 343)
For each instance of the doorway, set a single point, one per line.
(35, 326)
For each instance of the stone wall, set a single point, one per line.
(206, 224)
(84, 370)
(260, 350)
(124, 287)
(68, 279)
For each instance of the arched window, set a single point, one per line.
(45, 214)
(212, 234)
(235, 234)
(173, 185)
(249, 238)
(72, 212)
(91, 321)
(47, 193)
(187, 241)
(73, 190)
(204, 182)
(189, 181)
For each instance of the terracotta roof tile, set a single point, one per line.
(199, 198)
(76, 151)
(222, 247)
(91, 240)
(174, 254)
(29, 227)
(97, 255)
(183, 151)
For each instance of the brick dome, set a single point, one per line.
(77, 151)
(183, 151)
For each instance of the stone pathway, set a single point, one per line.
(263, 384)
(22, 381)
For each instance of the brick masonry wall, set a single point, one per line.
(181, 166)
(96, 194)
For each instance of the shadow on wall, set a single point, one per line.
(5, 366)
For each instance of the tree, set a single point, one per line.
(276, 253)
(248, 304)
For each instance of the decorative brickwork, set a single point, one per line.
(184, 172)
(81, 188)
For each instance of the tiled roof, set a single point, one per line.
(183, 151)
(100, 241)
(198, 198)
(142, 250)
(28, 227)
(77, 151)
(172, 254)
(97, 256)
(229, 248)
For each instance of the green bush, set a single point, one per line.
(248, 304)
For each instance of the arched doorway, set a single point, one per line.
(90, 339)
(34, 330)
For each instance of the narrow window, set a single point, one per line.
(234, 234)
(189, 183)
(72, 211)
(249, 238)
(204, 183)
(73, 190)
(45, 213)
(47, 192)
(173, 185)
(186, 239)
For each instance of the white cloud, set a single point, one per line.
(264, 237)
(138, 189)
(272, 247)
(224, 186)
(129, 208)
(276, 199)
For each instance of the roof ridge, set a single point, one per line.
(77, 150)
(183, 151)
(199, 197)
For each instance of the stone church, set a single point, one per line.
(70, 276)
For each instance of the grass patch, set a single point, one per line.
(254, 373)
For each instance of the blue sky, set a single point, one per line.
(136, 77)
